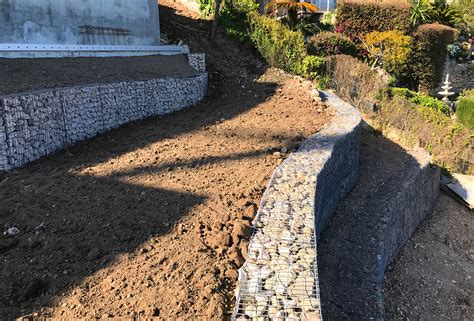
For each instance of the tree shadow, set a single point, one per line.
(72, 225)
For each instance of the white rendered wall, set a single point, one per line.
(58, 21)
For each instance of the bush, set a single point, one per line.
(448, 142)
(459, 50)
(331, 43)
(234, 16)
(465, 110)
(359, 18)
(312, 67)
(421, 100)
(466, 23)
(429, 55)
(390, 50)
(444, 13)
(280, 46)
(421, 120)
(354, 81)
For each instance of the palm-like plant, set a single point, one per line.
(444, 13)
(292, 8)
(420, 12)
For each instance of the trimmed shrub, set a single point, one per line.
(278, 45)
(449, 143)
(354, 81)
(331, 43)
(465, 110)
(390, 50)
(359, 18)
(429, 55)
(421, 100)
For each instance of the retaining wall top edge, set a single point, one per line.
(93, 85)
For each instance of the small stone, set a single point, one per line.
(236, 257)
(244, 245)
(241, 231)
(93, 255)
(231, 274)
(12, 231)
(250, 212)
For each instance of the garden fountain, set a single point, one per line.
(446, 93)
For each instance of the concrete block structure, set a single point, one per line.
(62, 28)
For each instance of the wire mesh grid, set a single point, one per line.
(279, 279)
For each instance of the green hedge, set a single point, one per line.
(280, 46)
(421, 120)
(449, 143)
(429, 55)
(421, 99)
(359, 18)
(465, 111)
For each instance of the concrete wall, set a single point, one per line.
(58, 21)
(39, 123)
(280, 276)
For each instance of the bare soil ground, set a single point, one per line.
(19, 75)
(153, 219)
(432, 277)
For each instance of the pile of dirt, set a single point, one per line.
(153, 219)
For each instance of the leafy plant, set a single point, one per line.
(331, 43)
(312, 67)
(455, 50)
(234, 18)
(279, 45)
(465, 108)
(448, 142)
(420, 12)
(444, 13)
(420, 99)
(466, 8)
(390, 50)
(206, 7)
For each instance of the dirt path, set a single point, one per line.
(152, 219)
(432, 277)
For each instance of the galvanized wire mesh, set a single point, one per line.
(279, 279)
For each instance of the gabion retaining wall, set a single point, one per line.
(39, 123)
(279, 280)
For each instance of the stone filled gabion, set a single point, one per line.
(197, 61)
(279, 280)
(39, 123)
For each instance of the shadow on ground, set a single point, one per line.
(73, 225)
(351, 249)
